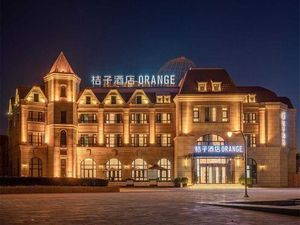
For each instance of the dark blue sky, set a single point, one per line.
(256, 41)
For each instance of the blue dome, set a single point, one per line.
(177, 66)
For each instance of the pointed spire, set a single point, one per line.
(61, 65)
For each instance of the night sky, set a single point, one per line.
(256, 41)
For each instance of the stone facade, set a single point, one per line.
(122, 133)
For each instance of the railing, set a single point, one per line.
(36, 119)
(87, 121)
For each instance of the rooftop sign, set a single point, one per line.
(133, 80)
(218, 150)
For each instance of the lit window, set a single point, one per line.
(250, 117)
(164, 140)
(165, 172)
(163, 117)
(210, 114)
(139, 140)
(114, 170)
(196, 115)
(112, 118)
(139, 118)
(202, 86)
(88, 140)
(225, 114)
(113, 140)
(87, 118)
(216, 86)
(88, 168)
(251, 139)
(167, 99)
(139, 169)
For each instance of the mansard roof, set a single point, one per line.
(265, 95)
(195, 75)
(61, 65)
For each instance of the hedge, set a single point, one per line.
(51, 181)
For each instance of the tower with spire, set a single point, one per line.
(61, 89)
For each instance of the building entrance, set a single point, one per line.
(213, 170)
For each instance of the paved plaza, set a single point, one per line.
(142, 206)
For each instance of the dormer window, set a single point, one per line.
(113, 99)
(202, 86)
(88, 100)
(63, 91)
(216, 86)
(252, 98)
(160, 99)
(138, 99)
(36, 97)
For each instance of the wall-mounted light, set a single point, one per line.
(262, 168)
(100, 167)
(126, 167)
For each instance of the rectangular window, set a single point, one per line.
(113, 99)
(163, 117)
(225, 117)
(196, 115)
(88, 100)
(216, 86)
(35, 138)
(139, 140)
(164, 140)
(88, 118)
(210, 114)
(202, 86)
(250, 117)
(40, 117)
(63, 168)
(113, 140)
(251, 139)
(88, 140)
(36, 97)
(63, 116)
(30, 116)
(159, 99)
(139, 118)
(112, 118)
(138, 99)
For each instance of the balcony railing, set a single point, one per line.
(87, 121)
(36, 119)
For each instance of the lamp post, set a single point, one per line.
(229, 134)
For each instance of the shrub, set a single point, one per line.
(185, 181)
(51, 181)
(242, 180)
(177, 181)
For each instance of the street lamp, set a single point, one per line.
(229, 134)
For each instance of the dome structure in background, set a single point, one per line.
(177, 66)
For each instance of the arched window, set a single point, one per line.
(252, 170)
(114, 170)
(63, 91)
(139, 169)
(165, 173)
(35, 167)
(210, 139)
(63, 138)
(88, 168)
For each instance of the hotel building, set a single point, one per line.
(58, 129)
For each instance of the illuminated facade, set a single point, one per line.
(58, 130)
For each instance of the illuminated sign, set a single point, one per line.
(133, 81)
(283, 128)
(218, 149)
